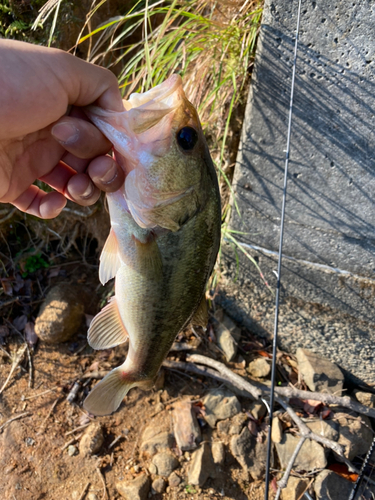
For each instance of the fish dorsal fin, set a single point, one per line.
(200, 317)
(106, 329)
(109, 259)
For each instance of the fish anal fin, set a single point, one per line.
(108, 394)
(109, 259)
(106, 329)
(200, 317)
(149, 256)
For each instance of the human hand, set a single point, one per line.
(39, 141)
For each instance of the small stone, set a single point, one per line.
(218, 452)
(60, 315)
(202, 466)
(136, 489)
(259, 368)
(223, 427)
(174, 480)
(238, 421)
(319, 373)
(92, 496)
(249, 453)
(277, 430)
(72, 450)
(331, 486)
(165, 464)
(228, 336)
(158, 485)
(185, 426)
(92, 440)
(220, 404)
(326, 428)
(157, 436)
(365, 398)
(355, 433)
(152, 469)
(258, 410)
(295, 488)
(310, 457)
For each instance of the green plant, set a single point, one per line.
(33, 263)
(190, 489)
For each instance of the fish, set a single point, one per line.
(164, 236)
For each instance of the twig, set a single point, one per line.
(71, 441)
(16, 362)
(104, 496)
(81, 496)
(37, 395)
(77, 429)
(287, 392)
(94, 374)
(30, 383)
(284, 480)
(226, 373)
(48, 415)
(14, 418)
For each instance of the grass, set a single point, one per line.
(210, 44)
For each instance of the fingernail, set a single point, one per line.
(66, 133)
(88, 191)
(110, 175)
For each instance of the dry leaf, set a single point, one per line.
(343, 471)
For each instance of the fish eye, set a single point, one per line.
(187, 138)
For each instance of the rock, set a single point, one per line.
(72, 450)
(165, 464)
(257, 409)
(249, 453)
(354, 433)
(325, 428)
(92, 496)
(202, 466)
(92, 440)
(60, 315)
(158, 485)
(220, 404)
(238, 421)
(228, 336)
(136, 489)
(218, 452)
(310, 457)
(259, 368)
(157, 436)
(185, 426)
(294, 489)
(330, 486)
(319, 373)
(223, 427)
(365, 398)
(152, 469)
(277, 430)
(174, 480)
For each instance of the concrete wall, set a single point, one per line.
(329, 243)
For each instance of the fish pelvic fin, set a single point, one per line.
(109, 259)
(107, 329)
(108, 394)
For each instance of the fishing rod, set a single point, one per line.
(278, 285)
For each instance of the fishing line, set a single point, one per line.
(362, 471)
(273, 372)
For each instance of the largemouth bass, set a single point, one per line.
(164, 238)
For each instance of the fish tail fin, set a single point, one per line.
(108, 394)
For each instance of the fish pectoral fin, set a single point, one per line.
(107, 329)
(109, 259)
(107, 395)
(200, 317)
(149, 257)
